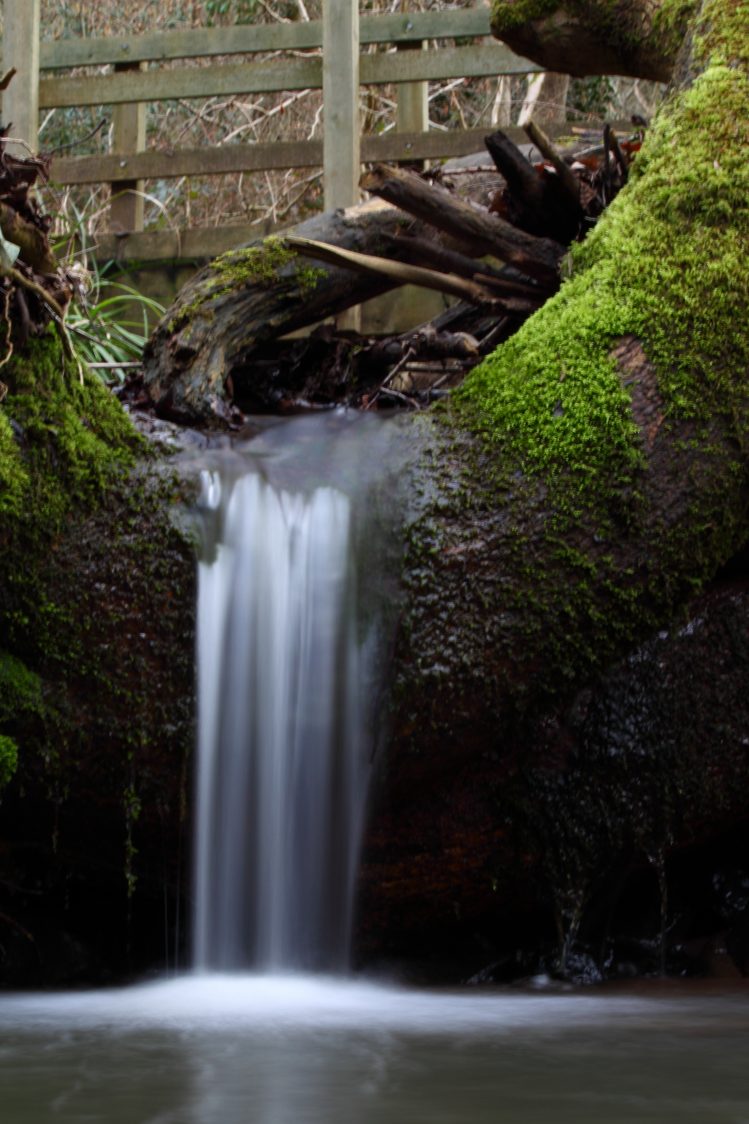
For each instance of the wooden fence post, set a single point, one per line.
(342, 130)
(412, 114)
(21, 50)
(128, 137)
(340, 77)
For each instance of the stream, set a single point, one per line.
(223, 1049)
(288, 657)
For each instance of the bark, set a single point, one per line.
(608, 436)
(637, 38)
(248, 297)
(489, 866)
(480, 232)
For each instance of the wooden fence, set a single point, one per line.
(331, 59)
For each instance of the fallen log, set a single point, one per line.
(478, 231)
(201, 350)
(220, 349)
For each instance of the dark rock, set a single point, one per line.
(617, 821)
(94, 828)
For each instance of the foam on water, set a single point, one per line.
(215, 1002)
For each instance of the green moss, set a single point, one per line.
(96, 607)
(8, 759)
(20, 689)
(71, 440)
(253, 264)
(14, 479)
(721, 35)
(63, 446)
(307, 278)
(20, 699)
(670, 20)
(260, 265)
(667, 265)
(569, 521)
(239, 269)
(507, 17)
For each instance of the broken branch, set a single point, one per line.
(484, 233)
(397, 271)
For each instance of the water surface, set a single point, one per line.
(311, 1050)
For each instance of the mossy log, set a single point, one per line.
(637, 38)
(592, 473)
(255, 294)
(590, 477)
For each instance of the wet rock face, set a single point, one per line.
(94, 840)
(607, 837)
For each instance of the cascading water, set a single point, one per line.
(283, 757)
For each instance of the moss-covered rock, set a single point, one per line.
(594, 840)
(62, 441)
(589, 479)
(96, 683)
(20, 699)
(593, 472)
(8, 759)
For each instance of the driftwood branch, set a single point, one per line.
(479, 230)
(514, 295)
(397, 271)
(611, 144)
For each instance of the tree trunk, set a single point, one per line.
(638, 38)
(546, 99)
(588, 477)
(602, 449)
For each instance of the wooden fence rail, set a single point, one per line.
(335, 63)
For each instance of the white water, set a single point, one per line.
(300, 1050)
(282, 757)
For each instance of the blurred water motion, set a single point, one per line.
(281, 1050)
(285, 666)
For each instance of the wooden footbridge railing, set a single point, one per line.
(327, 55)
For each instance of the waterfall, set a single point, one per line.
(282, 754)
